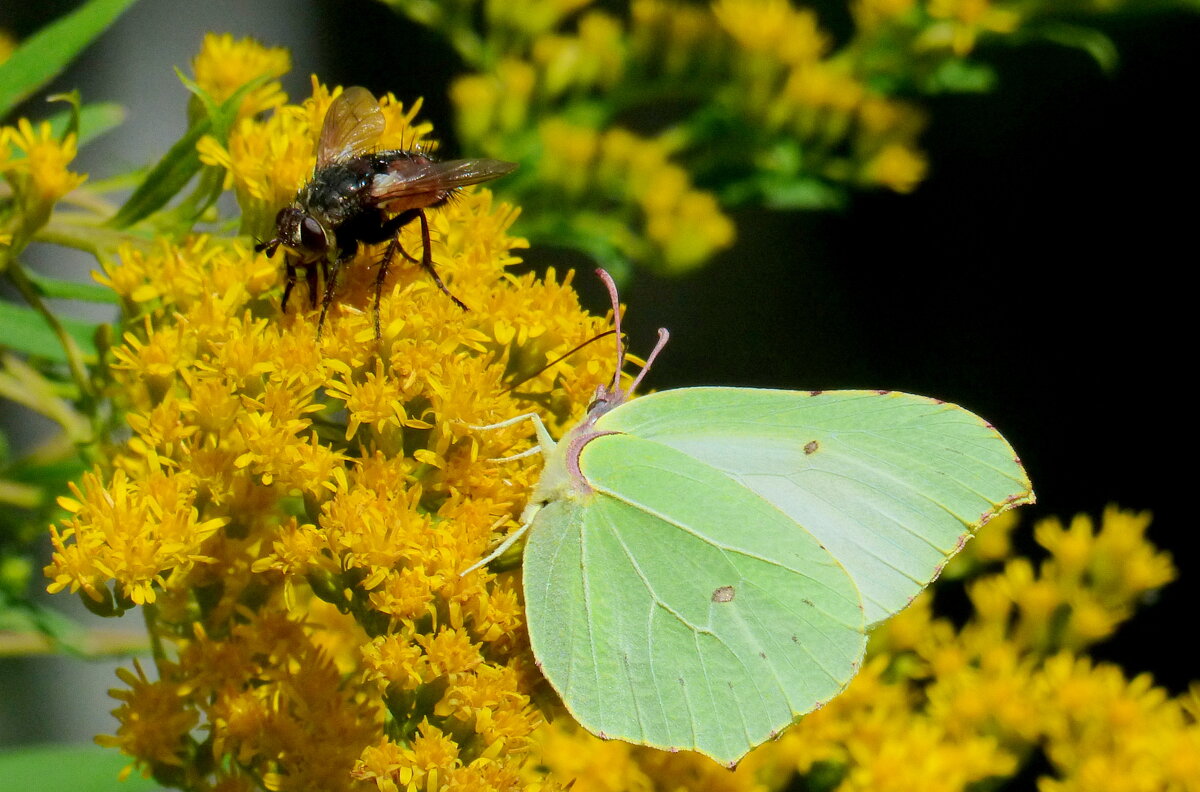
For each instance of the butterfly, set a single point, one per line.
(703, 564)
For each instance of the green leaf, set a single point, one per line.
(961, 76)
(72, 290)
(801, 193)
(165, 180)
(182, 162)
(71, 98)
(44, 54)
(1094, 42)
(77, 768)
(94, 120)
(23, 329)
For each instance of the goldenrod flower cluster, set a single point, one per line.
(561, 92)
(293, 514)
(728, 102)
(36, 166)
(221, 66)
(944, 707)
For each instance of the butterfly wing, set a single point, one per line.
(891, 484)
(675, 608)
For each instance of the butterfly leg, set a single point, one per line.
(499, 551)
(545, 442)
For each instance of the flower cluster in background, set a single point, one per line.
(640, 128)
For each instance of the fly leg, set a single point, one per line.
(330, 280)
(381, 273)
(289, 282)
(310, 276)
(392, 227)
(427, 261)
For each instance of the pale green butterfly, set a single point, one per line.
(703, 564)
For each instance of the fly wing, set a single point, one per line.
(415, 174)
(352, 125)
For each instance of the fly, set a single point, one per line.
(359, 196)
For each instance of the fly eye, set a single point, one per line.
(312, 235)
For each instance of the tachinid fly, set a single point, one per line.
(358, 196)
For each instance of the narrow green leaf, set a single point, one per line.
(222, 115)
(94, 120)
(23, 330)
(73, 99)
(961, 76)
(1092, 41)
(181, 163)
(71, 290)
(801, 193)
(79, 768)
(165, 180)
(44, 54)
(89, 123)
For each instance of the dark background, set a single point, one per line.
(1038, 277)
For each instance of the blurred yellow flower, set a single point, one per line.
(35, 164)
(225, 64)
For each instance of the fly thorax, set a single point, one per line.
(335, 193)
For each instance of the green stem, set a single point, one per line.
(150, 616)
(81, 235)
(74, 357)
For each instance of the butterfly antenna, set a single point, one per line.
(616, 306)
(663, 337)
(558, 360)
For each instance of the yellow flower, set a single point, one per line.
(155, 719)
(131, 532)
(533, 17)
(773, 27)
(37, 169)
(224, 65)
(593, 58)
(963, 21)
(873, 13)
(896, 167)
